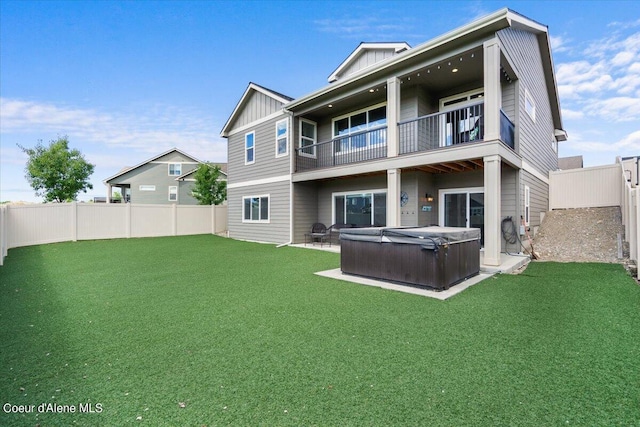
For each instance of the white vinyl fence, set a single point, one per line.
(25, 225)
(599, 186)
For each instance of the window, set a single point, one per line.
(463, 121)
(529, 105)
(173, 194)
(367, 208)
(527, 202)
(249, 148)
(175, 169)
(282, 138)
(147, 188)
(307, 138)
(354, 127)
(255, 209)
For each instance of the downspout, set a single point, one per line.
(291, 162)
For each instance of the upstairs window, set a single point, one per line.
(354, 127)
(307, 138)
(282, 138)
(529, 105)
(249, 148)
(255, 209)
(175, 169)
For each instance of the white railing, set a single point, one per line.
(26, 225)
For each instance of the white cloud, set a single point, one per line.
(151, 130)
(572, 114)
(629, 143)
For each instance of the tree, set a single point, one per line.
(209, 188)
(57, 173)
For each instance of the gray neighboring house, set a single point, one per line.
(163, 179)
(462, 130)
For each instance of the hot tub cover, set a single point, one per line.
(428, 237)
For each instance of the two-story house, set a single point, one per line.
(459, 131)
(163, 179)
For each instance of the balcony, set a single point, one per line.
(355, 148)
(426, 133)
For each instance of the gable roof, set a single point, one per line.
(361, 49)
(223, 171)
(129, 169)
(253, 87)
(483, 27)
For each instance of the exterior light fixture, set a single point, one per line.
(429, 197)
(455, 70)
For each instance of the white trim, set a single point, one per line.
(176, 193)
(122, 172)
(254, 124)
(253, 132)
(527, 205)
(315, 138)
(466, 190)
(348, 135)
(346, 193)
(174, 169)
(257, 221)
(527, 167)
(286, 136)
(146, 187)
(281, 178)
(468, 94)
(155, 162)
(397, 47)
(528, 100)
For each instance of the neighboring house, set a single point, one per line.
(163, 179)
(573, 162)
(631, 167)
(459, 131)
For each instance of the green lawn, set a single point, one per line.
(201, 330)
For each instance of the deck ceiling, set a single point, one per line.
(453, 167)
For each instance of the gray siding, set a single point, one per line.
(266, 164)
(277, 229)
(366, 59)
(534, 138)
(509, 100)
(184, 193)
(305, 209)
(257, 106)
(157, 173)
(326, 189)
(538, 198)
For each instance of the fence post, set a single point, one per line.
(213, 219)
(128, 221)
(636, 221)
(174, 217)
(74, 221)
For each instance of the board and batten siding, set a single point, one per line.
(366, 59)
(534, 137)
(274, 231)
(257, 106)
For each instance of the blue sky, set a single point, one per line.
(129, 80)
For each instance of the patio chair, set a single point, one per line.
(319, 233)
(334, 231)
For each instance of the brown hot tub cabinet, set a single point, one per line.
(433, 257)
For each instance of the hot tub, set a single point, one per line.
(431, 257)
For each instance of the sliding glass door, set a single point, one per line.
(463, 207)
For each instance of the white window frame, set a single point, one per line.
(146, 187)
(529, 105)
(356, 192)
(467, 190)
(554, 143)
(285, 136)
(367, 128)
(177, 169)
(470, 97)
(173, 190)
(314, 141)
(259, 220)
(527, 205)
(246, 150)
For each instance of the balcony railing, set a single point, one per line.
(439, 130)
(354, 148)
(507, 130)
(442, 129)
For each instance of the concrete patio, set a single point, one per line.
(508, 264)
